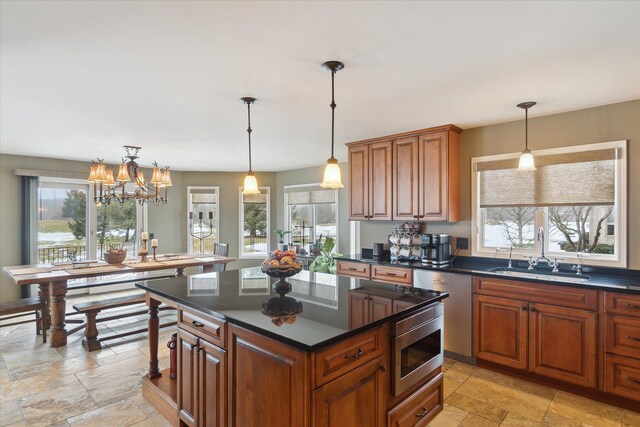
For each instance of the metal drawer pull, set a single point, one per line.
(197, 324)
(635, 307)
(423, 414)
(390, 274)
(633, 380)
(353, 269)
(629, 337)
(357, 355)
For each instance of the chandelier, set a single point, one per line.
(106, 188)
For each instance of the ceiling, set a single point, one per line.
(80, 79)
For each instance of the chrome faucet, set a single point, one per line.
(543, 257)
(578, 267)
(498, 250)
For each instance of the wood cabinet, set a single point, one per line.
(397, 275)
(366, 308)
(561, 341)
(420, 407)
(415, 174)
(621, 344)
(267, 382)
(357, 398)
(370, 181)
(353, 269)
(201, 383)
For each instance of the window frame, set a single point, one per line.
(287, 219)
(256, 255)
(216, 188)
(91, 219)
(619, 259)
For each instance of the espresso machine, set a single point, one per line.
(436, 250)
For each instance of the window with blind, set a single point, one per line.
(200, 201)
(311, 212)
(254, 224)
(576, 194)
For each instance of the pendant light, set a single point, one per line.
(332, 175)
(526, 158)
(250, 183)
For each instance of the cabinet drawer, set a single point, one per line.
(354, 269)
(565, 296)
(622, 376)
(203, 326)
(617, 303)
(420, 407)
(382, 273)
(340, 358)
(622, 336)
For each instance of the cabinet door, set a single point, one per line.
(357, 398)
(433, 176)
(359, 183)
(187, 377)
(562, 343)
(358, 309)
(405, 178)
(381, 307)
(212, 385)
(268, 382)
(380, 206)
(500, 330)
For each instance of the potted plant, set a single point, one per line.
(281, 233)
(325, 262)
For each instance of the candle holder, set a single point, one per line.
(200, 234)
(154, 253)
(143, 252)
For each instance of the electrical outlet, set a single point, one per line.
(462, 243)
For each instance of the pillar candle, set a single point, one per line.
(154, 243)
(145, 235)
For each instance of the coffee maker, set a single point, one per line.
(436, 250)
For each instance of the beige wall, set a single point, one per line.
(600, 124)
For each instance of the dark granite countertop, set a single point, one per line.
(238, 296)
(612, 279)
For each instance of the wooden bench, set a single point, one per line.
(24, 307)
(91, 309)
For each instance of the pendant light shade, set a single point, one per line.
(332, 175)
(250, 182)
(527, 162)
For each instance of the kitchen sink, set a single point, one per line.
(540, 275)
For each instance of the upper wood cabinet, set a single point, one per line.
(410, 176)
(370, 181)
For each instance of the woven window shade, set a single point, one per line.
(310, 195)
(568, 179)
(203, 196)
(254, 199)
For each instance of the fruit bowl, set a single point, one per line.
(115, 256)
(281, 265)
(283, 271)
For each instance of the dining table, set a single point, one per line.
(53, 279)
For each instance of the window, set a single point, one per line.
(202, 202)
(71, 227)
(311, 212)
(577, 196)
(254, 224)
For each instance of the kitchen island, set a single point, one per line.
(344, 352)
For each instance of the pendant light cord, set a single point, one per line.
(333, 108)
(526, 128)
(249, 131)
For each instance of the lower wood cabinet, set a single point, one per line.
(357, 398)
(268, 382)
(420, 407)
(557, 342)
(201, 383)
(366, 306)
(622, 376)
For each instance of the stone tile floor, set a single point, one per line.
(69, 386)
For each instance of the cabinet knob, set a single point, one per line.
(523, 308)
(416, 216)
(356, 355)
(422, 414)
(383, 368)
(533, 309)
